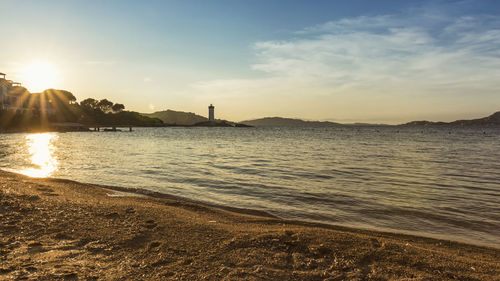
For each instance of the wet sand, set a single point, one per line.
(63, 230)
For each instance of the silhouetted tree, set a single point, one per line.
(60, 95)
(105, 105)
(118, 107)
(69, 96)
(64, 104)
(89, 103)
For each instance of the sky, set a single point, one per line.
(345, 61)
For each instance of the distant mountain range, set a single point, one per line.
(492, 120)
(293, 122)
(288, 122)
(180, 118)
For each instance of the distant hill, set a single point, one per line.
(288, 122)
(171, 117)
(218, 123)
(180, 118)
(492, 120)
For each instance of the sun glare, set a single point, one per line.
(39, 76)
(41, 148)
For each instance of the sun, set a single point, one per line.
(39, 76)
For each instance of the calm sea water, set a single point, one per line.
(442, 183)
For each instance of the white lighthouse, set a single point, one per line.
(211, 115)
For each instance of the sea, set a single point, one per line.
(441, 182)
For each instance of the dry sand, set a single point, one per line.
(58, 229)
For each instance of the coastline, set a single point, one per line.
(61, 229)
(130, 191)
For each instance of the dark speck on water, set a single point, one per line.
(439, 182)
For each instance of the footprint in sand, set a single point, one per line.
(47, 191)
(154, 245)
(30, 197)
(150, 224)
(44, 189)
(375, 243)
(35, 247)
(130, 211)
(50, 194)
(62, 236)
(30, 268)
(113, 215)
(70, 276)
(5, 270)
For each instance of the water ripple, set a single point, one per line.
(417, 180)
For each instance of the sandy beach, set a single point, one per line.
(63, 230)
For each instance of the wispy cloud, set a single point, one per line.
(382, 60)
(389, 49)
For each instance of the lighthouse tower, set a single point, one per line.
(211, 115)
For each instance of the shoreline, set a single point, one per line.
(62, 229)
(261, 213)
(414, 126)
(131, 191)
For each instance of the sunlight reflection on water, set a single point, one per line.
(442, 183)
(41, 149)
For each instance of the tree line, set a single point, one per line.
(28, 111)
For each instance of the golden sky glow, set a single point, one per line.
(390, 62)
(40, 75)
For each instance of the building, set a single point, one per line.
(4, 88)
(211, 115)
(8, 99)
(15, 97)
